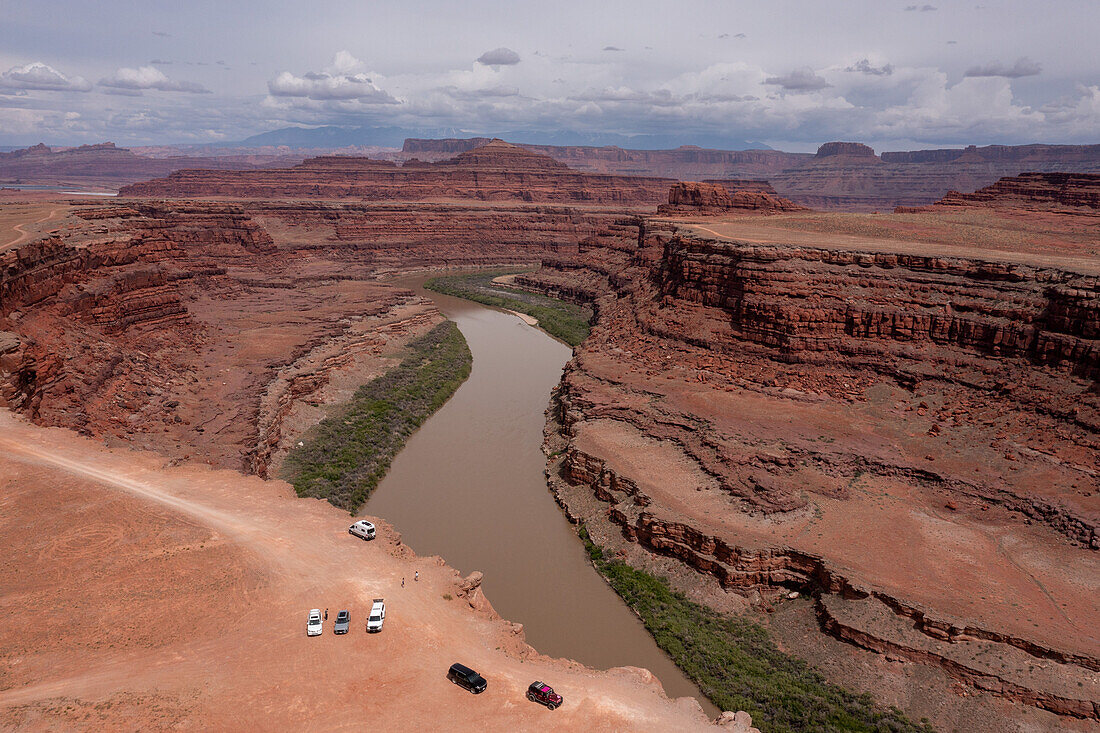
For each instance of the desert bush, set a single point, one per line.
(735, 663)
(566, 321)
(345, 455)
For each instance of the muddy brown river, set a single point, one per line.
(469, 486)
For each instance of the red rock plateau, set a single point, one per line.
(902, 427)
(105, 166)
(496, 171)
(841, 177)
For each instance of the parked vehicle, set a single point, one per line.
(314, 626)
(463, 676)
(377, 615)
(363, 529)
(343, 621)
(544, 693)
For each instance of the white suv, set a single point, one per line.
(363, 529)
(377, 615)
(314, 626)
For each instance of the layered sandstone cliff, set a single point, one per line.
(910, 438)
(691, 198)
(1035, 191)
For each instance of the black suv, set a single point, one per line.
(462, 675)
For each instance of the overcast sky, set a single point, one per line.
(896, 75)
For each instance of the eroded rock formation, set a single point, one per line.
(689, 197)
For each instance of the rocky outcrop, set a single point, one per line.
(711, 198)
(749, 185)
(496, 171)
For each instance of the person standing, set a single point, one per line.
(417, 576)
(402, 582)
(326, 614)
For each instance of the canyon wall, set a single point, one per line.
(902, 435)
(198, 328)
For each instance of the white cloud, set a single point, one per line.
(342, 80)
(499, 57)
(799, 80)
(1023, 67)
(148, 77)
(41, 77)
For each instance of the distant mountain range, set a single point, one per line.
(332, 136)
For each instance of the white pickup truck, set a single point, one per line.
(377, 615)
(314, 626)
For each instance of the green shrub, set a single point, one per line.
(566, 321)
(345, 455)
(737, 666)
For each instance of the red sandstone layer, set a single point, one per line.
(1035, 191)
(497, 171)
(688, 197)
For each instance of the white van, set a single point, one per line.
(363, 529)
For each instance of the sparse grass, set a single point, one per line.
(980, 228)
(349, 452)
(566, 321)
(737, 666)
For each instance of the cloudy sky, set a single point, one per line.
(896, 75)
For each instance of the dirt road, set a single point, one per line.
(139, 595)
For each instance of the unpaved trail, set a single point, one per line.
(20, 215)
(149, 597)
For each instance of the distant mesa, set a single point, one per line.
(495, 171)
(451, 145)
(853, 149)
(104, 164)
